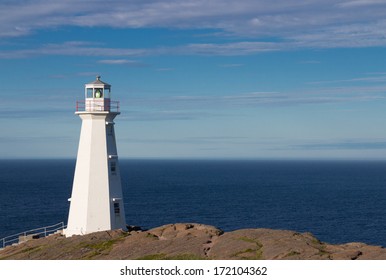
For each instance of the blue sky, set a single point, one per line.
(198, 79)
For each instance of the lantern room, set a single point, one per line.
(97, 96)
(97, 90)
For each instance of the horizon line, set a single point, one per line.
(204, 159)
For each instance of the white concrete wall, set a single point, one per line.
(117, 221)
(94, 187)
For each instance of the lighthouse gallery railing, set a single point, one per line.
(31, 234)
(103, 105)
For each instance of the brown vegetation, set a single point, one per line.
(190, 242)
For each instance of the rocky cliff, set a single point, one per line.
(191, 241)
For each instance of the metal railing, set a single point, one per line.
(102, 105)
(31, 234)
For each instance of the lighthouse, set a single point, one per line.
(96, 202)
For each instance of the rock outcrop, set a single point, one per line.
(191, 241)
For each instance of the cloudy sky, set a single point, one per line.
(198, 79)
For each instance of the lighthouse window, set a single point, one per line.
(116, 208)
(107, 92)
(110, 130)
(89, 93)
(113, 167)
(98, 93)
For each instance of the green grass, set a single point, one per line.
(105, 245)
(152, 236)
(97, 249)
(322, 251)
(246, 239)
(292, 253)
(28, 250)
(251, 253)
(316, 241)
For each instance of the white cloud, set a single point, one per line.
(92, 49)
(237, 48)
(127, 62)
(293, 24)
(195, 107)
(369, 78)
(343, 144)
(361, 3)
(72, 49)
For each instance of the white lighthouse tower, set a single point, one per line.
(96, 202)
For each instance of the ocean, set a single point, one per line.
(337, 201)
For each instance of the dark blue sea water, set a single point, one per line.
(338, 201)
